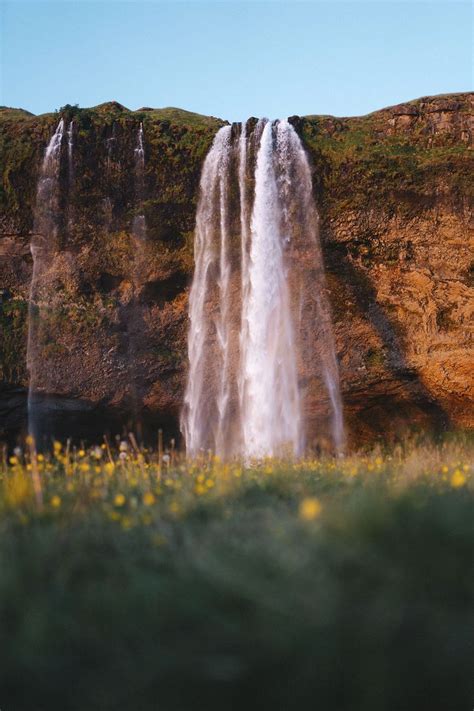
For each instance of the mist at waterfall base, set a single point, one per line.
(260, 339)
(260, 342)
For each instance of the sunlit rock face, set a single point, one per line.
(394, 198)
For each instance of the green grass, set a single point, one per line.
(332, 584)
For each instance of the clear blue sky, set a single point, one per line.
(233, 59)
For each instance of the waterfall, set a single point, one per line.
(301, 219)
(70, 148)
(139, 223)
(271, 413)
(70, 171)
(207, 394)
(132, 311)
(260, 343)
(44, 243)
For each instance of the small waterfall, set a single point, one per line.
(260, 337)
(44, 243)
(111, 145)
(71, 176)
(132, 312)
(70, 149)
(139, 223)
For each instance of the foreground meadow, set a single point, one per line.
(132, 580)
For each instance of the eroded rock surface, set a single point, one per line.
(394, 193)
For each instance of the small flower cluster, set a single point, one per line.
(132, 485)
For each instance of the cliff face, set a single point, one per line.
(394, 195)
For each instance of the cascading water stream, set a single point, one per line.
(70, 149)
(260, 322)
(131, 312)
(43, 245)
(244, 246)
(205, 400)
(71, 176)
(139, 222)
(223, 320)
(271, 413)
(296, 195)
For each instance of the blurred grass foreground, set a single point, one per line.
(135, 580)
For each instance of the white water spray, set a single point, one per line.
(260, 322)
(70, 149)
(139, 222)
(271, 413)
(206, 394)
(223, 319)
(43, 245)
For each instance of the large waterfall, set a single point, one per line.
(260, 339)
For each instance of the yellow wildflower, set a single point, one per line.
(109, 468)
(309, 508)
(57, 446)
(18, 488)
(458, 479)
(55, 502)
(119, 500)
(149, 499)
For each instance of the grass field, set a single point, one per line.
(133, 581)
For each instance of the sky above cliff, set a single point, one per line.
(233, 59)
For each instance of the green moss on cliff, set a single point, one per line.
(398, 158)
(13, 329)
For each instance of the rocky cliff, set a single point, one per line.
(394, 194)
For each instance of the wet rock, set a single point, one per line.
(396, 221)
